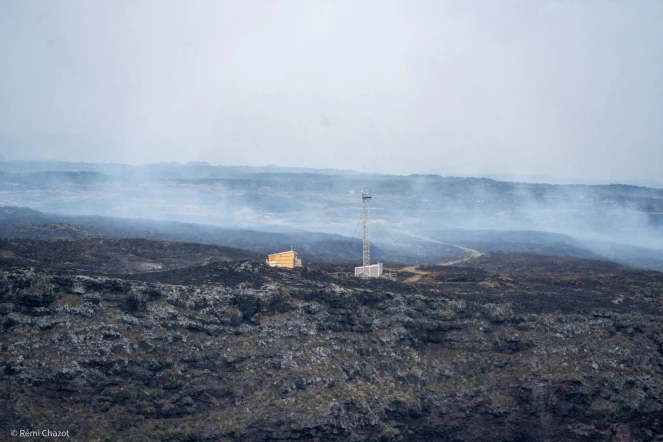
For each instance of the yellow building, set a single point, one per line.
(288, 260)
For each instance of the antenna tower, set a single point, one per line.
(365, 199)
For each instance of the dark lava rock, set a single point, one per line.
(292, 358)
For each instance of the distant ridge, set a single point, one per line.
(209, 170)
(27, 223)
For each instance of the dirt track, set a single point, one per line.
(473, 254)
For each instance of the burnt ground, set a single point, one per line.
(104, 255)
(533, 283)
(536, 283)
(218, 346)
(542, 263)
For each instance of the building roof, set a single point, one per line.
(283, 253)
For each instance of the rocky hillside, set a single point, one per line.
(105, 255)
(239, 351)
(21, 223)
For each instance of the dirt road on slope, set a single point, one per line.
(418, 274)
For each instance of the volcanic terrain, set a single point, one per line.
(132, 339)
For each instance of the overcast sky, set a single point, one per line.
(554, 87)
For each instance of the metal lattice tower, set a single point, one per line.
(365, 199)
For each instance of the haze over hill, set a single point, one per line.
(405, 210)
(413, 219)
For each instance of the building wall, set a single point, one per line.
(285, 259)
(372, 271)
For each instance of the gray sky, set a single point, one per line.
(555, 87)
